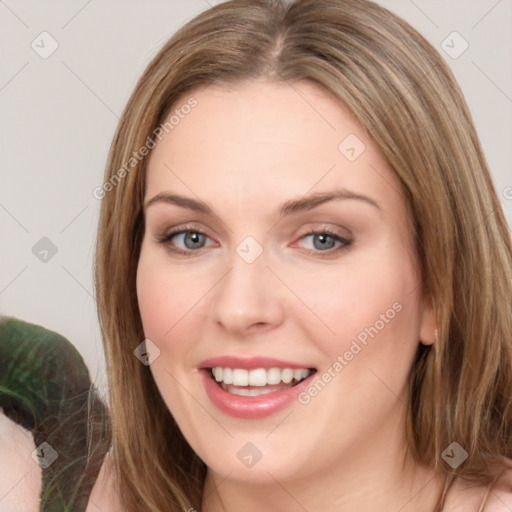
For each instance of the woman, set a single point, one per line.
(287, 103)
(303, 273)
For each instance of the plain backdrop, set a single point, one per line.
(59, 114)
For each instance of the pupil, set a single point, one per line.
(195, 238)
(323, 244)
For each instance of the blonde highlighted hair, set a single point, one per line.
(404, 94)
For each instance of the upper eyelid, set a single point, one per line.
(192, 228)
(166, 236)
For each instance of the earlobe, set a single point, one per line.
(428, 327)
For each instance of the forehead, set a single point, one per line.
(256, 142)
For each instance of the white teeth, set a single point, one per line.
(227, 376)
(217, 373)
(299, 374)
(248, 392)
(273, 376)
(258, 376)
(240, 377)
(287, 375)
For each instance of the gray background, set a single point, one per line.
(58, 117)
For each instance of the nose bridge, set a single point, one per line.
(246, 296)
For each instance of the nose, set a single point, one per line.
(248, 299)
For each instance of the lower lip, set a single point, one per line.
(251, 407)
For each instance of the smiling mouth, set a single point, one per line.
(258, 381)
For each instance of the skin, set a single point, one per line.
(244, 151)
(342, 451)
(20, 475)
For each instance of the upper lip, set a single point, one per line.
(249, 363)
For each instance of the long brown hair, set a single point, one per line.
(404, 94)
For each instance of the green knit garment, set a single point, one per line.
(45, 387)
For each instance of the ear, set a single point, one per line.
(428, 325)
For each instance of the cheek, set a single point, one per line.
(166, 295)
(166, 299)
(174, 309)
(152, 298)
(372, 300)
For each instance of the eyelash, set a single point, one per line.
(166, 238)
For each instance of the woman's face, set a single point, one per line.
(291, 258)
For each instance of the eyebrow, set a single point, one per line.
(288, 208)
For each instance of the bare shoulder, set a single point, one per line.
(500, 496)
(105, 494)
(468, 497)
(20, 474)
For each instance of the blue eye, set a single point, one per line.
(187, 241)
(192, 239)
(325, 241)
